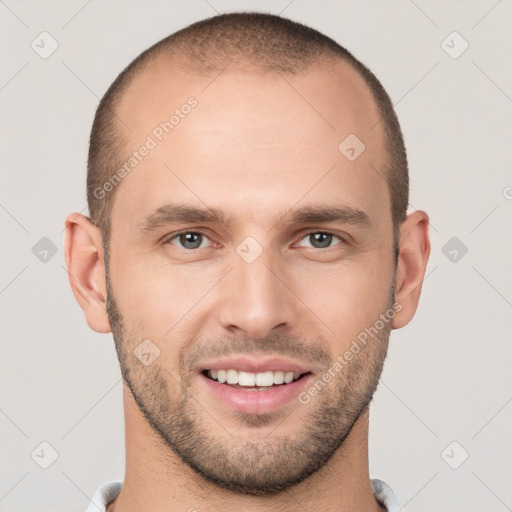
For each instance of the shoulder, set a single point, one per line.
(385, 495)
(104, 495)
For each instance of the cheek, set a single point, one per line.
(347, 298)
(154, 295)
(161, 300)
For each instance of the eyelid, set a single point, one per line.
(310, 231)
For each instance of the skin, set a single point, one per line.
(256, 150)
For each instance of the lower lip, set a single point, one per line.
(256, 402)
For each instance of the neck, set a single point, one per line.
(157, 479)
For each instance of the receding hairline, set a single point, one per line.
(165, 65)
(171, 69)
(159, 62)
(194, 51)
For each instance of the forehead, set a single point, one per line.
(329, 91)
(251, 142)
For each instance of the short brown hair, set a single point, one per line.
(209, 45)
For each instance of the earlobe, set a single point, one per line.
(86, 270)
(412, 263)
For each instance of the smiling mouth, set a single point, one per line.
(249, 381)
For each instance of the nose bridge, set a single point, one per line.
(256, 299)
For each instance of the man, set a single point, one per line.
(250, 250)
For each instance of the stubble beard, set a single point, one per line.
(264, 465)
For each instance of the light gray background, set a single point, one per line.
(447, 377)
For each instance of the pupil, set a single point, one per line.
(321, 239)
(187, 241)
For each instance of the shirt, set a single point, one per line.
(110, 490)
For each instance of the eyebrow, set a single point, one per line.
(178, 213)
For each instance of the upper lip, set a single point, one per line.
(246, 364)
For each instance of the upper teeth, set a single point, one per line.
(253, 379)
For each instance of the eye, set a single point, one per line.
(189, 240)
(320, 239)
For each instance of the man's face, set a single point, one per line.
(258, 292)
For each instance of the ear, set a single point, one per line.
(412, 263)
(86, 269)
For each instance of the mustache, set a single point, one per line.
(278, 345)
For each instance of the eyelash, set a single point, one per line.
(302, 236)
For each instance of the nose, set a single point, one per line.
(257, 298)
